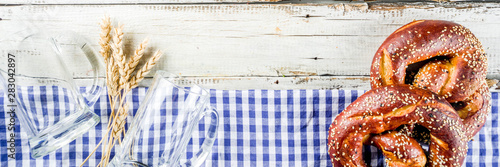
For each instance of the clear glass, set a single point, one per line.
(163, 125)
(50, 107)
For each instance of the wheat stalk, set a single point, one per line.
(104, 42)
(120, 80)
(117, 126)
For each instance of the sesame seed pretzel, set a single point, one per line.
(454, 66)
(399, 149)
(386, 108)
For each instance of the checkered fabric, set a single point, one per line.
(58, 100)
(256, 128)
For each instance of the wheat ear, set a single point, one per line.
(105, 38)
(134, 60)
(118, 52)
(119, 121)
(116, 79)
(134, 81)
(112, 78)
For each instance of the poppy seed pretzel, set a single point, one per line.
(386, 108)
(454, 66)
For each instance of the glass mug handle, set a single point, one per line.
(95, 60)
(210, 137)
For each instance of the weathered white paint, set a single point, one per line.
(276, 83)
(72, 2)
(126, 1)
(260, 41)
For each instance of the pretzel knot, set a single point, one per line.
(446, 65)
(453, 65)
(387, 108)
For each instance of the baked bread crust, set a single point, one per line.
(455, 66)
(386, 108)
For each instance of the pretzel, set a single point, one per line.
(454, 66)
(413, 154)
(386, 108)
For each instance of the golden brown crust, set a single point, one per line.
(476, 110)
(389, 107)
(399, 149)
(426, 39)
(433, 75)
(456, 67)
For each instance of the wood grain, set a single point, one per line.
(72, 2)
(258, 41)
(273, 83)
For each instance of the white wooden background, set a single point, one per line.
(252, 44)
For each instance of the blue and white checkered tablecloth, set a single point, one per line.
(256, 128)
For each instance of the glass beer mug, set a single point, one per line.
(50, 107)
(163, 125)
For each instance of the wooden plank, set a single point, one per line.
(45, 2)
(276, 83)
(272, 83)
(104, 2)
(457, 4)
(256, 40)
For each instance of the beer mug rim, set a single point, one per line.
(170, 77)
